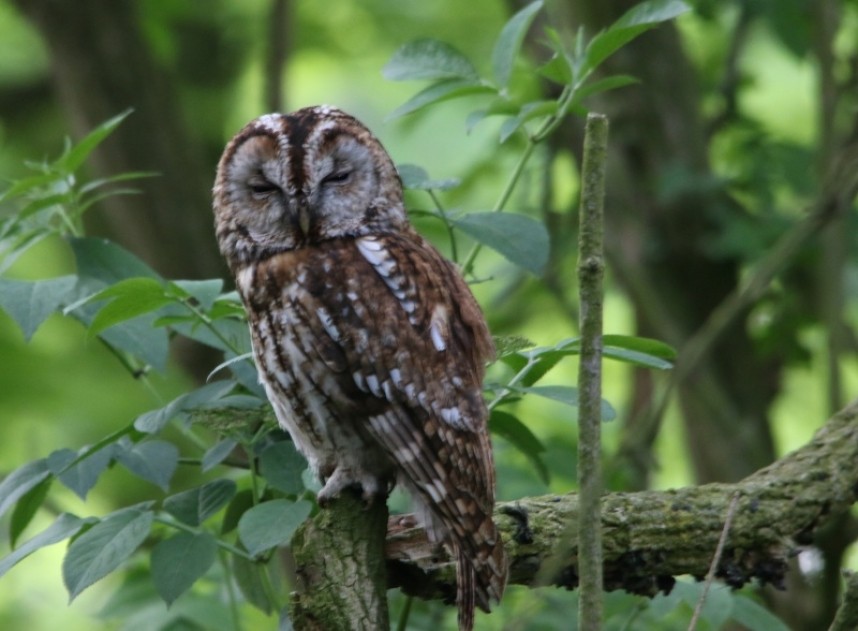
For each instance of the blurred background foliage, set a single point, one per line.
(743, 111)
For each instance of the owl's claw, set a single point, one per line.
(368, 486)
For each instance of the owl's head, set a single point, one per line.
(290, 180)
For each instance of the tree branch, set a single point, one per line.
(651, 536)
(340, 569)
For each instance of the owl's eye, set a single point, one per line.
(337, 177)
(258, 185)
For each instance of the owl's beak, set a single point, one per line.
(304, 218)
(299, 212)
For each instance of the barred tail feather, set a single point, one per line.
(465, 590)
(480, 582)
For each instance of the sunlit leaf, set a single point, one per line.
(103, 548)
(520, 239)
(271, 524)
(428, 59)
(509, 42)
(179, 561)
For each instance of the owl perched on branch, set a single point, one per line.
(369, 344)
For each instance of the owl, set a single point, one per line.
(370, 346)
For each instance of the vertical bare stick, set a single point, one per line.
(591, 268)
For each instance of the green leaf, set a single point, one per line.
(281, 465)
(271, 524)
(519, 436)
(103, 548)
(26, 508)
(416, 178)
(65, 526)
(130, 298)
(217, 453)
(567, 395)
(428, 59)
(152, 460)
(193, 507)
(520, 239)
(509, 42)
(603, 85)
(30, 303)
(80, 152)
(242, 502)
(754, 616)
(102, 260)
(528, 112)
(179, 561)
(15, 485)
(81, 476)
(154, 421)
(640, 351)
(204, 292)
(248, 576)
(437, 92)
(635, 21)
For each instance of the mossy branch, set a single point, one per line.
(651, 536)
(339, 563)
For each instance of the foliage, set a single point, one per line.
(231, 525)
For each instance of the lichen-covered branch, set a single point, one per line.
(651, 536)
(339, 562)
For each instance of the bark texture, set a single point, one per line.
(651, 536)
(339, 558)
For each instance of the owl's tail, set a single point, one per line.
(480, 579)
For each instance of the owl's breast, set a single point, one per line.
(298, 352)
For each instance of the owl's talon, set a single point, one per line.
(365, 485)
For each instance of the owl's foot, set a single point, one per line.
(368, 486)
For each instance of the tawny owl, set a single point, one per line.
(369, 344)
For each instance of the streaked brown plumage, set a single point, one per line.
(370, 345)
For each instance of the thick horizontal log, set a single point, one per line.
(652, 536)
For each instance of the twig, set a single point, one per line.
(591, 269)
(716, 560)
